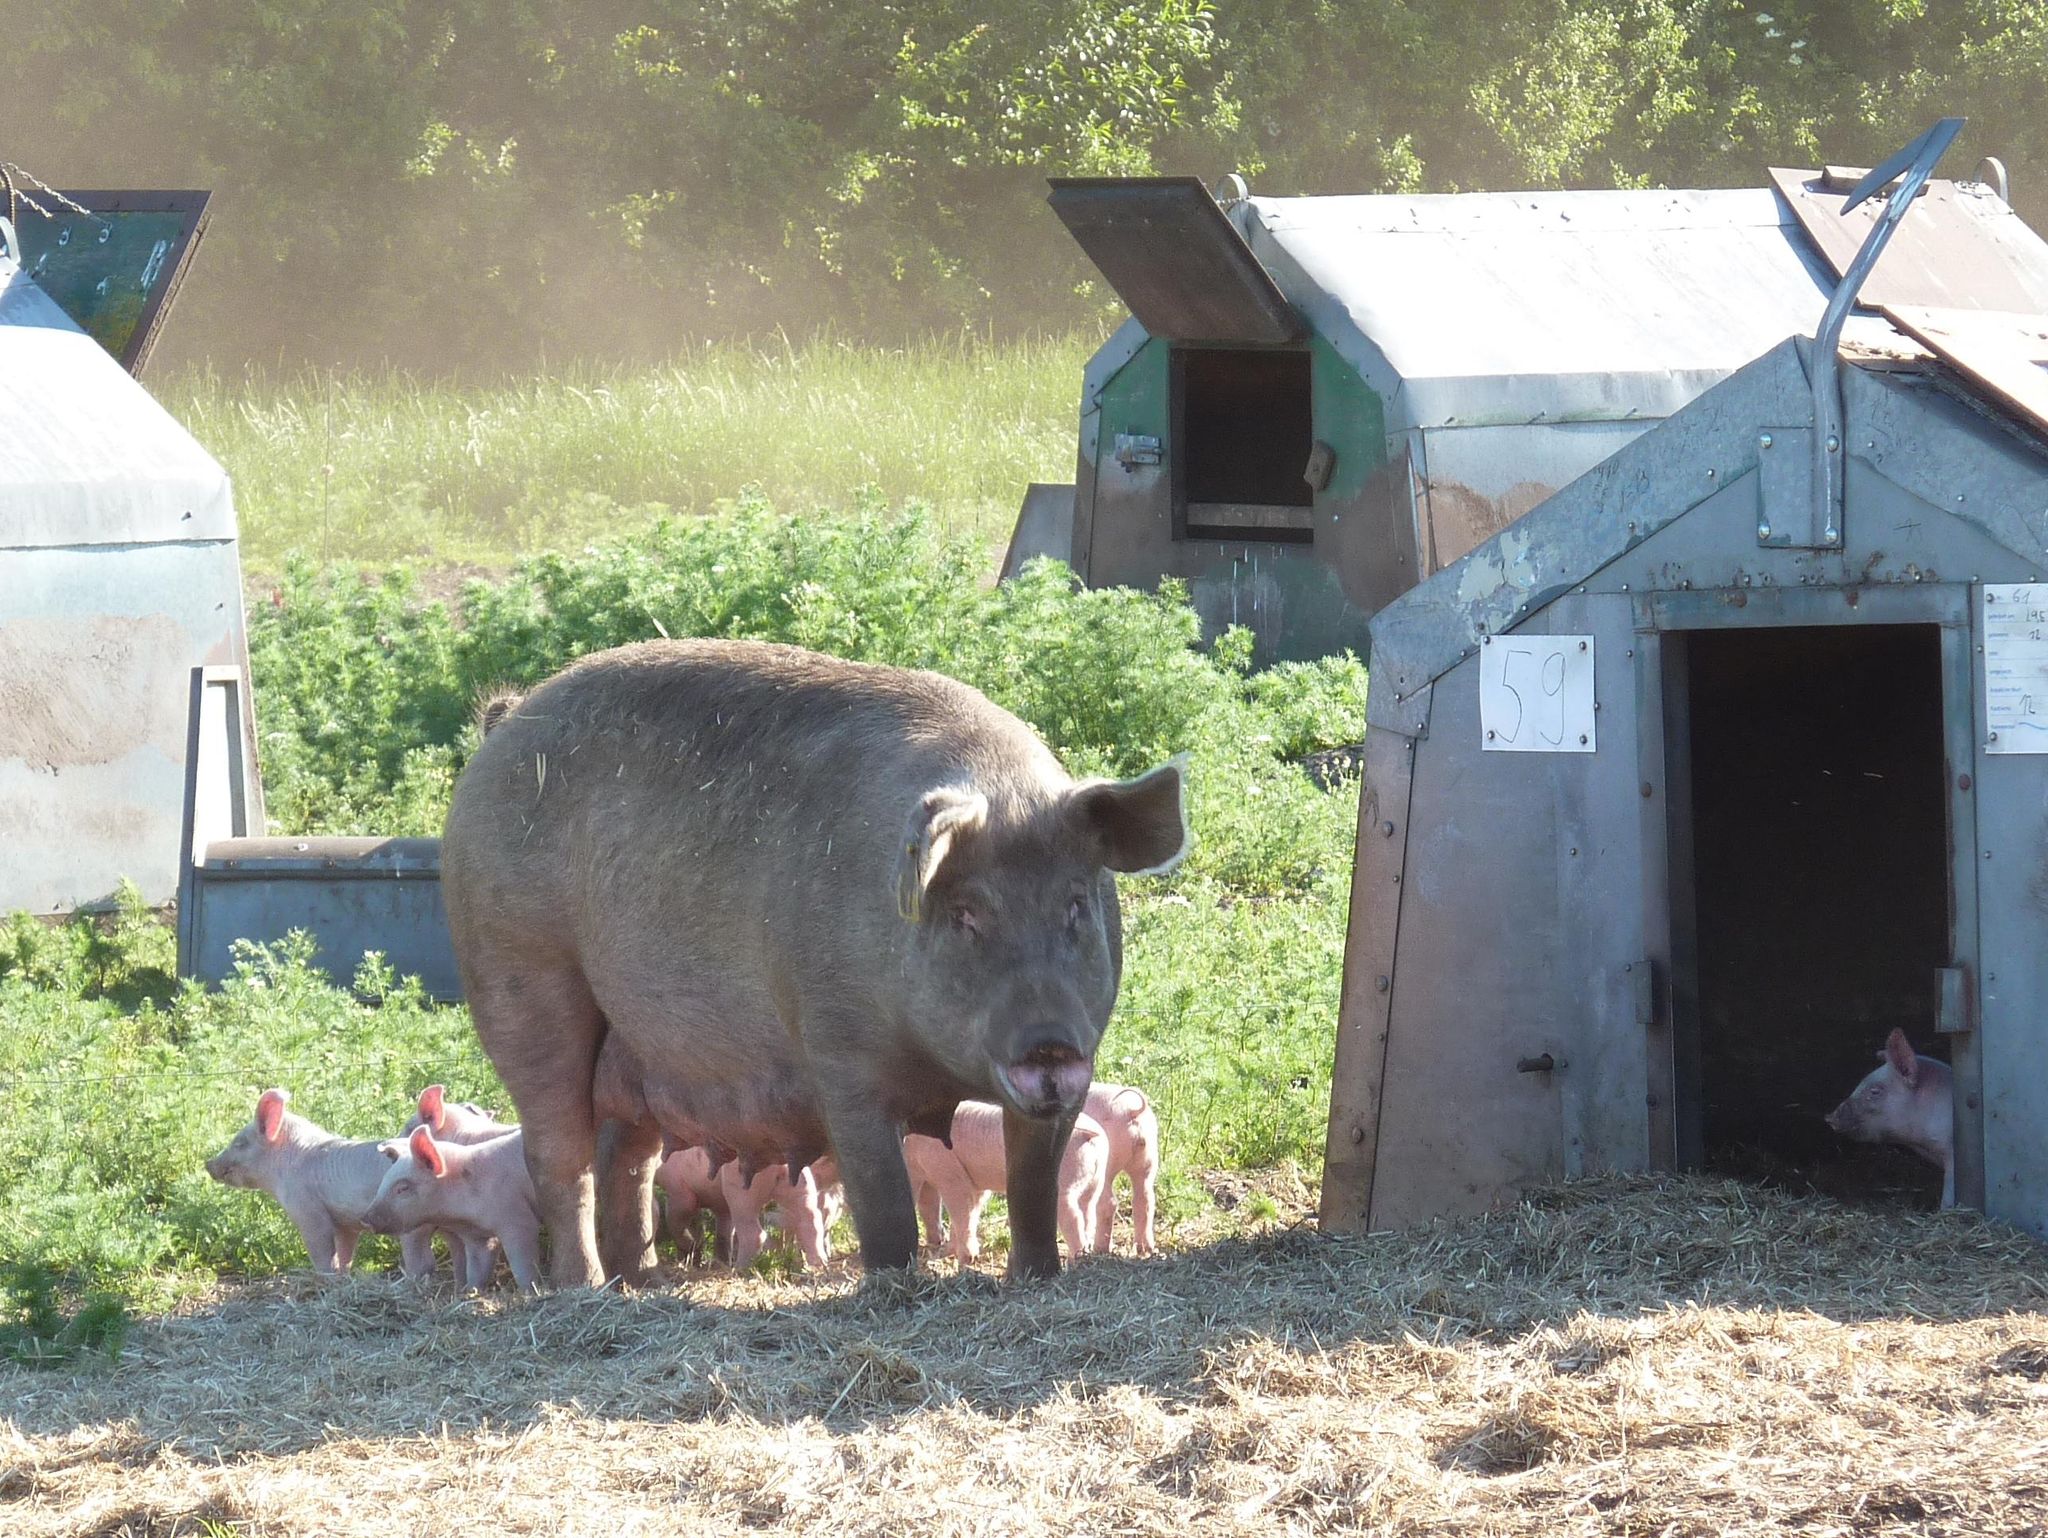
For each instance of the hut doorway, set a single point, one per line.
(1811, 889)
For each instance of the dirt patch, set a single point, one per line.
(1682, 1356)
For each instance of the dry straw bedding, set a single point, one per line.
(1677, 1356)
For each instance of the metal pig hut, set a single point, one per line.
(1320, 401)
(120, 602)
(1686, 788)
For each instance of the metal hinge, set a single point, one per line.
(1136, 449)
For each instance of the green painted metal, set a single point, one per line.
(1350, 417)
(1290, 595)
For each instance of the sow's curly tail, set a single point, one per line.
(495, 706)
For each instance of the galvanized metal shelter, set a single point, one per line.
(1685, 788)
(119, 577)
(1320, 401)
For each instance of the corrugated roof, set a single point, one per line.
(1474, 307)
(87, 456)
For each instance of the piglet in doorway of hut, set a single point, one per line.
(1907, 1100)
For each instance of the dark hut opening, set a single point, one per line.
(1818, 891)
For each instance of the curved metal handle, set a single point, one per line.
(1912, 165)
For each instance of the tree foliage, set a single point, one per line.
(482, 182)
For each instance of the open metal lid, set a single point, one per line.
(115, 267)
(1174, 257)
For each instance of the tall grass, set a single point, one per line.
(386, 467)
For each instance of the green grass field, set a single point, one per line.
(386, 468)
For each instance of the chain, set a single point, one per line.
(16, 196)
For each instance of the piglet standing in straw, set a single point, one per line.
(451, 1121)
(964, 1174)
(480, 1191)
(1127, 1118)
(1909, 1100)
(322, 1181)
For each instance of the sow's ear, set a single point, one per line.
(1899, 1053)
(1141, 824)
(942, 818)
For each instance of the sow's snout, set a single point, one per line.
(1048, 1078)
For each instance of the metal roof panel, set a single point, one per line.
(87, 455)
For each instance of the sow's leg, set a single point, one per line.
(540, 1027)
(1032, 1150)
(628, 1153)
(870, 1153)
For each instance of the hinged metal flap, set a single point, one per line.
(113, 261)
(2002, 353)
(1174, 257)
(1962, 248)
(1952, 1001)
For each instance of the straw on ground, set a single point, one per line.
(1680, 1356)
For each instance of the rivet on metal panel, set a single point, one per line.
(1387, 828)
(1989, 737)
(1582, 646)
(1357, 1133)
(1631, 525)
(1575, 853)
(1647, 790)
(1959, 496)
(1834, 444)
(1397, 878)
(1962, 782)
(1711, 472)
(1763, 531)
(1987, 854)
(1764, 441)
(1624, 587)
(1829, 534)
(1382, 983)
(1489, 735)
(1582, 743)
(1630, 652)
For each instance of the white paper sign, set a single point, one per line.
(2015, 667)
(1536, 694)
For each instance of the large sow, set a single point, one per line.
(775, 902)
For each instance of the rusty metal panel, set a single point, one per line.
(2004, 355)
(1962, 247)
(1481, 479)
(1358, 1078)
(1175, 258)
(97, 647)
(352, 895)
